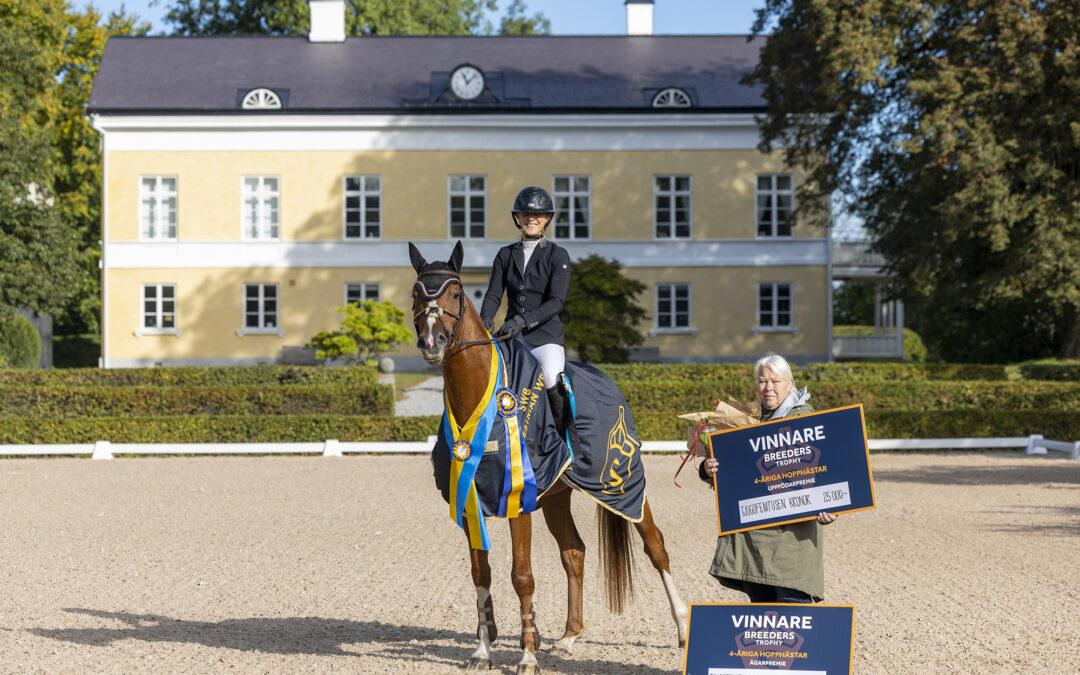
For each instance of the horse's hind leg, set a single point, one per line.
(555, 506)
(522, 578)
(486, 632)
(654, 548)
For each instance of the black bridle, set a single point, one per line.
(432, 309)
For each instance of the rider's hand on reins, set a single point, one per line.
(512, 327)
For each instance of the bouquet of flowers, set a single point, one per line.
(724, 415)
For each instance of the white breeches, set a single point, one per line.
(552, 360)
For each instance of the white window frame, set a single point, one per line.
(570, 194)
(673, 194)
(468, 193)
(158, 312)
(160, 227)
(262, 328)
(262, 195)
(672, 97)
(362, 194)
(364, 286)
(774, 287)
(774, 193)
(671, 288)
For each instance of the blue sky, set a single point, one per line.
(568, 17)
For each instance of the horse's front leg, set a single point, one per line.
(486, 632)
(654, 548)
(555, 506)
(522, 578)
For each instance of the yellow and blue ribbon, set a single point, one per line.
(463, 498)
(519, 481)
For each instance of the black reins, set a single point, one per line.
(434, 310)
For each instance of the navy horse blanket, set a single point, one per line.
(509, 453)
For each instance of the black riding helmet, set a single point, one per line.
(532, 200)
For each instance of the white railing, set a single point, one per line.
(867, 346)
(1033, 445)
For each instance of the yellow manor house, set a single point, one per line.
(252, 185)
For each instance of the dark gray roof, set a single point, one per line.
(389, 74)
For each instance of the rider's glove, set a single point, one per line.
(490, 325)
(512, 327)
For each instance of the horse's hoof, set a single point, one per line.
(565, 645)
(477, 664)
(528, 669)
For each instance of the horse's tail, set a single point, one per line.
(616, 557)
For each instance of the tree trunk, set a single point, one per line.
(1070, 348)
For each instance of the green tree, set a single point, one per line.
(948, 124)
(20, 344)
(600, 317)
(38, 254)
(853, 303)
(77, 178)
(368, 329)
(362, 17)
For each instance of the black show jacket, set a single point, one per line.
(537, 294)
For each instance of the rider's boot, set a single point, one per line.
(564, 417)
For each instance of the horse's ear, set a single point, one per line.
(456, 256)
(417, 259)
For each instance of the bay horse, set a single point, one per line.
(450, 333)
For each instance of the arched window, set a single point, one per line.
(261, 99)
(672, 97)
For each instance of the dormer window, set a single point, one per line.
(261, 99)
(672, 97)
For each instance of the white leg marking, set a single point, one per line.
(679, 612)
(483, 650)
(527, 658)
(566, 644)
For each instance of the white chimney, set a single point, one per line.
(639, 17)
(327, 20)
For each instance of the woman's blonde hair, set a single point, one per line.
(776, 363)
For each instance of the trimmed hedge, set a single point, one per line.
(684, 397)
(323, 399)
(218, 429)
(813, 372)
(914, 424)
(1062, 371)
(214, 376)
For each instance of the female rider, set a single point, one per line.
(535, 274)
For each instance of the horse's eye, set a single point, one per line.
(457, 296)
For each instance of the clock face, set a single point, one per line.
(467, 82)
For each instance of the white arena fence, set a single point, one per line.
(1033, 445)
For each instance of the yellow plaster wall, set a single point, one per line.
(723, 309)
(414, 189)
(210, 308)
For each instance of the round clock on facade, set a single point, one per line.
(467, 82)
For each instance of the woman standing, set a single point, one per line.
(783, 563)
(535, 274)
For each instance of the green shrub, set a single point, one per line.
(219, 429)
(1068, 371)
(216, 376)
(658, 426)
(65, 401)
(676, 397)
(20, 344)
(914, 349)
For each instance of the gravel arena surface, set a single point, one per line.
(969, 564)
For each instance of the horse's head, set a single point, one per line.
(438, 303)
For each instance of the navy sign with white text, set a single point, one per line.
(725, 639)
(791, 469)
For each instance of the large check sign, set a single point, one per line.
(791, 469)
(747, 639)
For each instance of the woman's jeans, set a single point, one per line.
(771, 594)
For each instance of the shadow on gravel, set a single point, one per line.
(1040, 471)
(1053, 515)
(323, 637)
